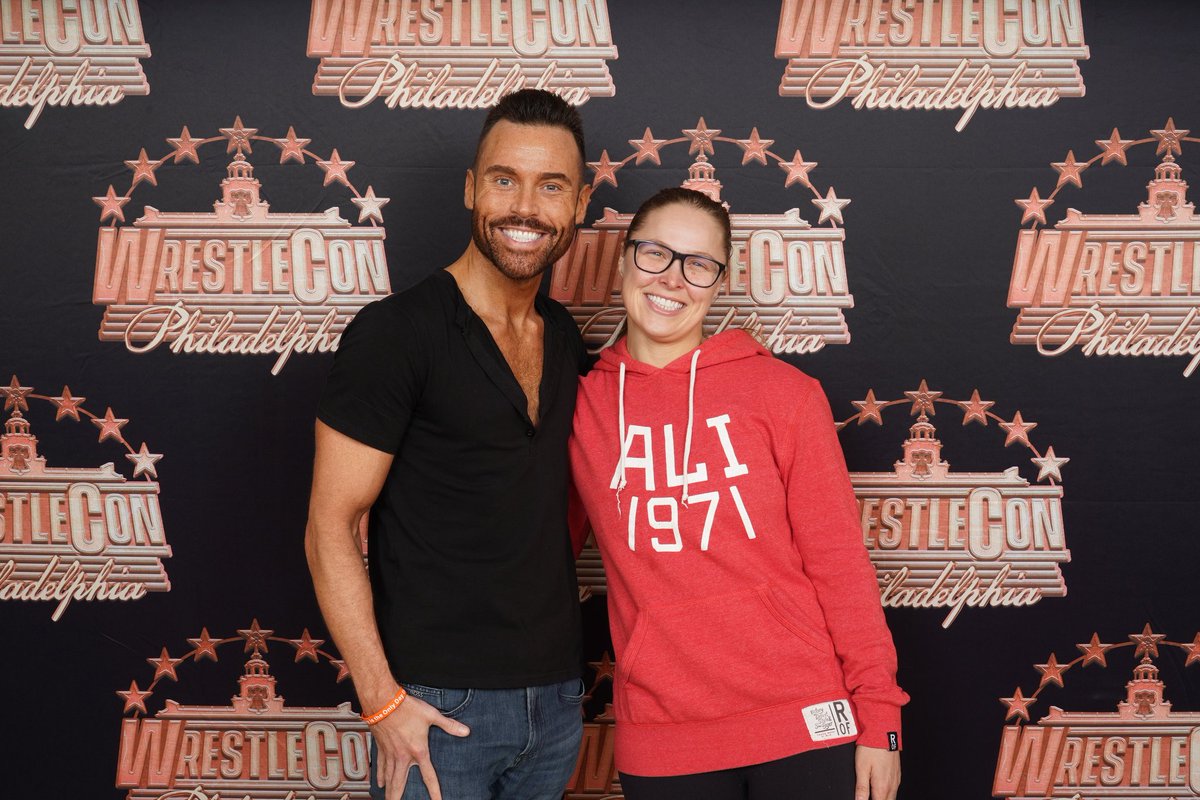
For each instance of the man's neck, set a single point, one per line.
(490, 293)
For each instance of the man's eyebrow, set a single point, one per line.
(506, 170)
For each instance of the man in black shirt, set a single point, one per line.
(446, 417)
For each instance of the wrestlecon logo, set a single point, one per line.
(242, 278)
(255, 747)
(1112, 284)
(62, 53)
(1144, 749)
(465, 54)
(786, 282)
(76, 533)
(952, 540)
(962, 55)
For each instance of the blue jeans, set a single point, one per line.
(523, 743)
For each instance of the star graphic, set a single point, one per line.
(1093, 651)
(797, 170)
(1146, 641)
(110, 205)
(1193, 651)
(1018, 430)
(1068, 171)
(1052, 671)
(335, 168)
(205, 646)
(647, 148)
(14, 395)
(701, 137)
(1018, 705)
(976, 409)
(923, 400)
(134, 698)
(306, 646)
(292, 147)
(1049, 464)
(110, 426)
(605, 668)
(604, 169)
(1114, 148)
(343, 670)
(1034, 207)
(185, 147)
(754, 148)
(239, 136)
(831, 207)
(369, 205)
(164, 665)
(143, 168)
(1168, 139)
(869, 409)
(256, 637)
(144, 461)
(68, 406)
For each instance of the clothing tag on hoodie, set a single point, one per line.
(831, 720)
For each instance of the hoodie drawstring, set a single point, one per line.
(687, 439)
(618, 478)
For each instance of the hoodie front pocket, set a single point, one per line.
(721, 656)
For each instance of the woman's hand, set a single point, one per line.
(878, 773)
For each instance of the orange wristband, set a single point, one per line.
(379, 715)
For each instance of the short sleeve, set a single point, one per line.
(376, 378)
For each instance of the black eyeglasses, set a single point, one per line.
(655, 258)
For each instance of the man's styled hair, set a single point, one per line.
(535, 107)
(673, 195)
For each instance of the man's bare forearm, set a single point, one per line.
(344, 594)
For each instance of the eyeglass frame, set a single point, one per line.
(675, 256)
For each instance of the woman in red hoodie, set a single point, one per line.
(753, 658)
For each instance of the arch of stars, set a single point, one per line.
(923, 400)
(16, 400)
(255, 638)
(700, 142)
(1094, 651)
(239, 138)
(1168, 141)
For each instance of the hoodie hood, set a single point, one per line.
(730, 345)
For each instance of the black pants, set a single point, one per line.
(825, 774)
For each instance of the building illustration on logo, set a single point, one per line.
(58, 54)
(241, 279)
(948, 54)
(1113, 284)
(945, 539)
(1145, 748)
(256, 746)
(76, 533)
(786, 282)
(465, 54)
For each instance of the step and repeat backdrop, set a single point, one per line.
(970, 219)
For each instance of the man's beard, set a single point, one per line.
(518, 266)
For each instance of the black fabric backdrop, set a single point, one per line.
(930, 238)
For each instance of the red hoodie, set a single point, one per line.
(745, 612)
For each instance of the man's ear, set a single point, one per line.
(469, 190)
(585, 194)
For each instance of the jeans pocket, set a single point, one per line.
(448, 702)
(572, 691)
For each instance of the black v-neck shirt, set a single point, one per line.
(468, 551)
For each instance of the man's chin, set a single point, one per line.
(522, 269)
